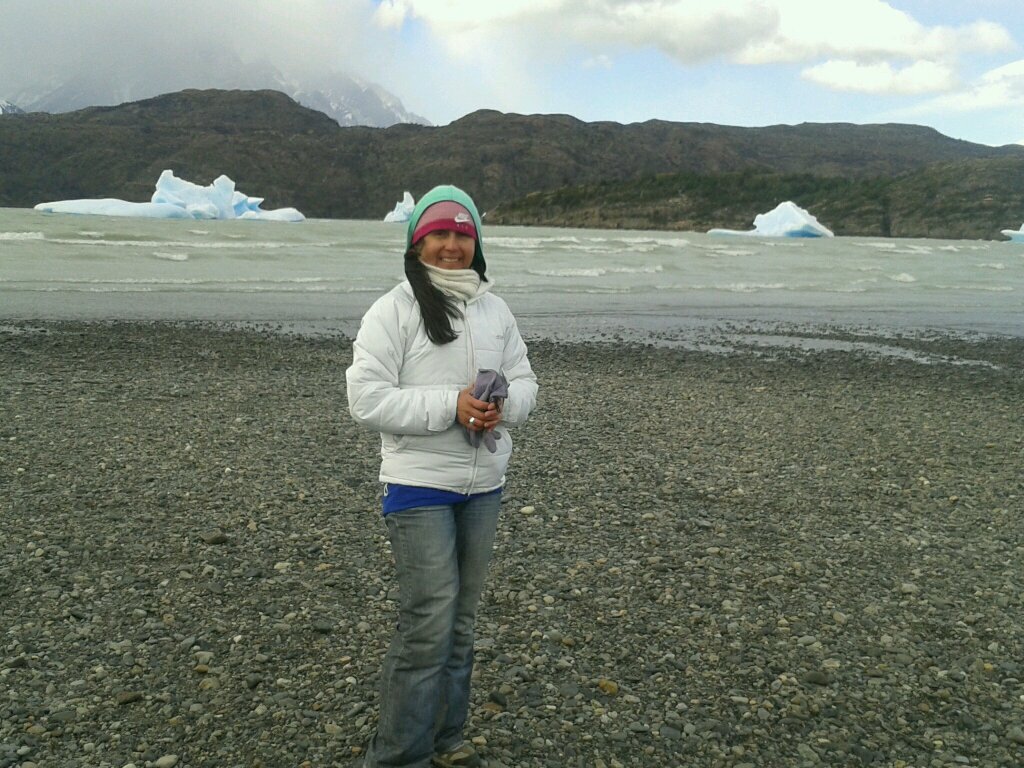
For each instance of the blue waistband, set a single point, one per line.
(398, 497)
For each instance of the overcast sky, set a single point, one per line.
(957, 66)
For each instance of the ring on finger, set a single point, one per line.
(472, 420)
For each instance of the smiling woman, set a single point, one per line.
(447, 249)
(444, 260)
(444, 453)
(446, 236)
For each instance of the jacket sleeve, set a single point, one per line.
(375, 398)
(522, 383)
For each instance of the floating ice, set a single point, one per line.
(176, 198)
(403, 210)
(112, 207)
(785, 220)
(1015, 235)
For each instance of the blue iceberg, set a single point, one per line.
(786, 220)
(1015, 235)
(176, 198)
(403, 210)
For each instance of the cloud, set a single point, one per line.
(883, 77)
(686, 30)
(454, 18)
(865, 31)
(998, 88)
(184, 41)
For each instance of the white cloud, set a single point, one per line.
(1007, 81)
(391, 13)
(180, 43)
(687, 30)
(451, 17)
(882, 77)
(864, 31)
(998, 88)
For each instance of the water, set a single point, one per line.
(560, 282)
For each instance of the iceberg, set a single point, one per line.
(1015, 235)
(176, 198)
(786, 220)
(403, 210)
(112, 207)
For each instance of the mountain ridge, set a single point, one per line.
(347, 99)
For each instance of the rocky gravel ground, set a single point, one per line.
(780, 558)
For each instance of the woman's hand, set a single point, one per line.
(484, 415)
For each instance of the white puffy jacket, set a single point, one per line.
(406, 387)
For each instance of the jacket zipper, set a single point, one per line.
(472, 377)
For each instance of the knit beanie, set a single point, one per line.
(441, 197)
(448, 215)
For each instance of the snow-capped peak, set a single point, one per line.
(6, 108)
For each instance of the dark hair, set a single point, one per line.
(436, 309)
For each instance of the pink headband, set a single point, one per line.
(446, 214)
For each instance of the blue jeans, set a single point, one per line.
(441, 557)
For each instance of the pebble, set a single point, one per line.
(663, 618)
(817, 677)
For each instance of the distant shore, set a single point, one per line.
(775, 556)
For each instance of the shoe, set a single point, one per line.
(461, 756)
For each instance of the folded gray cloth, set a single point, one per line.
(491, 387)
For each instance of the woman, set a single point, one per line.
(415, 360)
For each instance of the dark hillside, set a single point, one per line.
(973, 198)
(274, 148)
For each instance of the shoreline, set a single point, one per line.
(578, 318)
(697, 334)
(763, 558)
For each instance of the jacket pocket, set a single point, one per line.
(488, 359)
